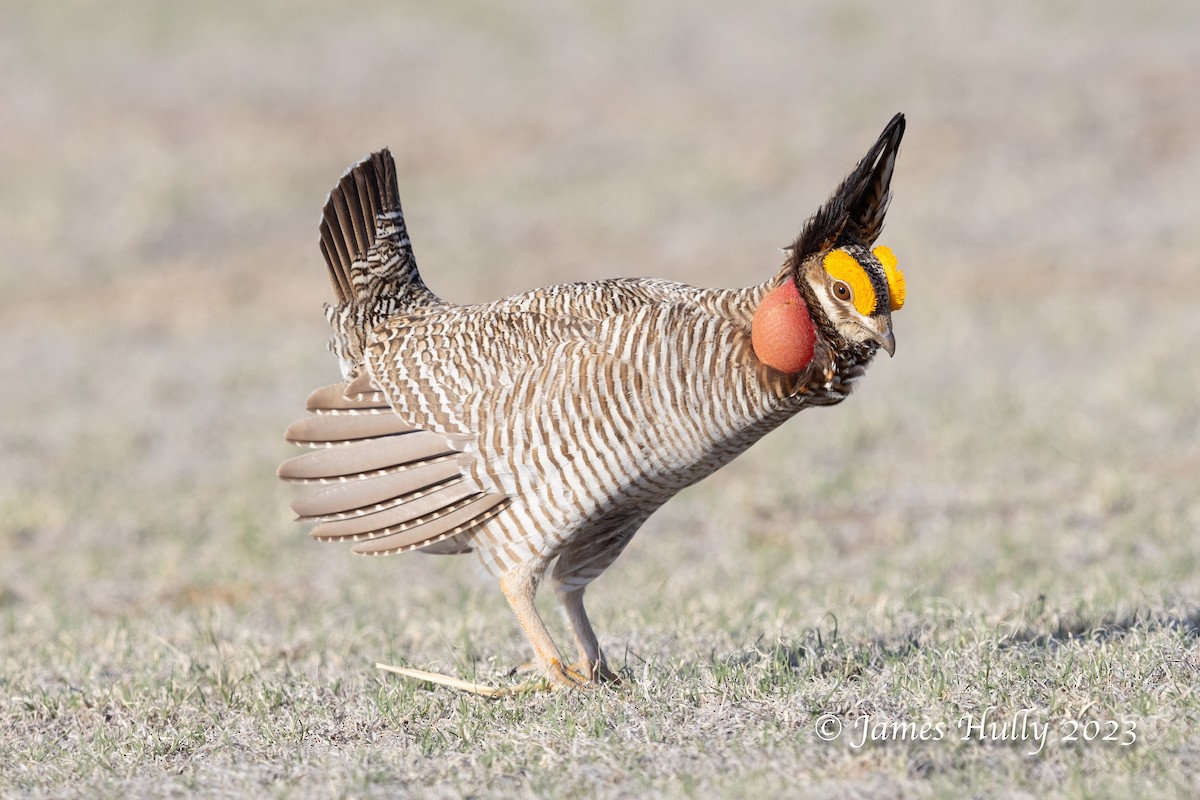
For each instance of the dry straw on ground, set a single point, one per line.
(1005, 516)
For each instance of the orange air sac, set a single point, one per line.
(782, 331)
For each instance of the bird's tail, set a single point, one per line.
(369, 256)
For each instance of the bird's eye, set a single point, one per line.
(841, 290)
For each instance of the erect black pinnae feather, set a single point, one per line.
(855, 211)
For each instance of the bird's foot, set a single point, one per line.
(580, 674)
(596, 672)
(565, 676)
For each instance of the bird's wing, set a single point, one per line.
(590, 413)
(428, 365)
(387, 469)
(378, 481)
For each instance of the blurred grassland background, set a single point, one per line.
(1006, 514)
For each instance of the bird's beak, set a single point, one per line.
(888, 342)
(881, 333)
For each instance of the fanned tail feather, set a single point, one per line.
(369, 257)
(364, 238)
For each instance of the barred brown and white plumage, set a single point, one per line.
(548, 426)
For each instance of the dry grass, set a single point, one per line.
(1006, 515)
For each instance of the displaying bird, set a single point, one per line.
(545, 428)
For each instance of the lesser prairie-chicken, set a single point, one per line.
(546, 427)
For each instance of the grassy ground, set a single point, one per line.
(1005, 517)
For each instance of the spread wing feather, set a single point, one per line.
(338, 460)
(334, 397)
(376, 477)
(354, 498)
(333, 427)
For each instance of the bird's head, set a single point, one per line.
(851, 289)
(857, 290)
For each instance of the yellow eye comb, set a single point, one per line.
(895, 276)
(845, 267)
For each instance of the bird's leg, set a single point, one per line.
(519, 586)
(591, 662)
